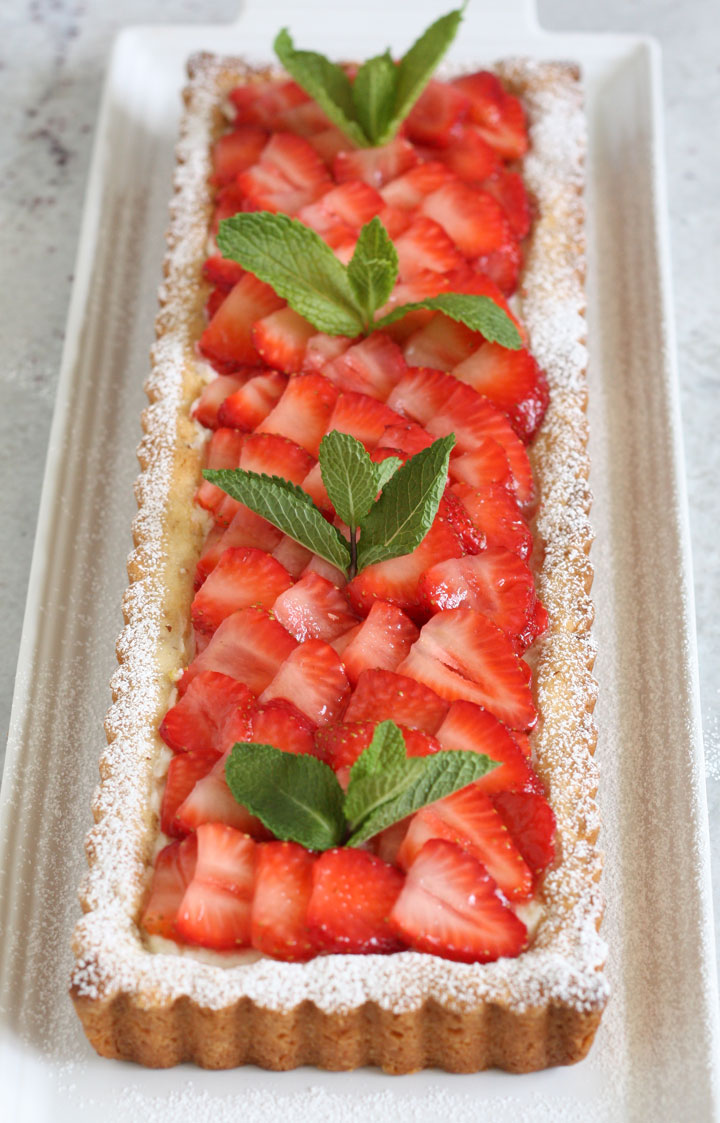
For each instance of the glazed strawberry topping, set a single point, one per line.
(291, 654)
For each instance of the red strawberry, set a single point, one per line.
(456, 517)
(288, 176)
(470, 156)
(449, 907)
(241, 578)
(422, 287)
(306, 119)
(522, 740)
(283, 885)
(362, 416)
(211, 801)
(215, 911)
(499, 116)
(330, 228)
(407, 192)
(395, 220)
(461, 654)
(513, 382)
(245, 529)
(322, 349)
(487, 464)
(223, 451)
(355, 202)
(212, 305)
(469, 819)
(314, 486)
(530, 820)
(496, 515)
(437, 115)
(376, 166)
(250, 646)
(387, 843)
(496, 582)
(281, 724)
(386, 695)
(314, 608)
(470, 728)
(265, 188)
(442, 344)
(228, 336)
(407, 438)
(174, 868)
(328, 144)
(214, 394)
(303, 411)
(474, 220)
(325, 569)
(271, 455)
(236, 151)
(372, 366)
(196, 722)
(247, 407)
(509, 190)
(184, 771)
(425, 246)
(292, 555)
(397, 580)
(382, 641)
(297, 160)
(263, 103)
(281, 339)
(220, 271)
(228, 201)
(341, 745)
(352, 896)
(313, 679)
(502, 265)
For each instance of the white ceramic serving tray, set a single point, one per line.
(656, 1054)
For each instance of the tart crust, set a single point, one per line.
(407, 1011)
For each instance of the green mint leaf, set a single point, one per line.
(403, 514)
(296, 796)
(416, 68)
(386, 469)
(385, 751)
(287, 507)
(479, 313)
(442, 774)
(325, 82)
(349, 476)
(299, 266)
(382, 772)
(373, 94)
(373, 268)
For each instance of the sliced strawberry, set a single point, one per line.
(509, 190)
(265, 188)
(470, 156)
(269, 454)
(376, 166)
(522, 740)
(306, 119)
(449, 907)
(372, 366)
(503, 266)
(211, 801)
(325, 569)
(183, 773)
(387, 843)
(500, 117)
(473, 219)
(313, 679)
(196, 722)
(341, 745)
(496, 515)
(421, 287)
(355, 202)
(406, 192)
(395, 220)
(314, 608)
(297, 160)
(328, 144)
(281, 339)
(245, 529)
(437, 115)
(223, 451)
(330, 228)
(215, 911)
(281, 724)
(407, 438)
(263, 103)
(241, 578)
(470, 728)
(173, 872)
(496, 582)
(487, 464)
(513, 382)
(283, 885)
(425, 246)
(247, 407)
(236, 151)
(442, 344)
(228, 201)
(530, 820)
(382, 641)
(322, 349)
(212, 305)
(397, 580)
(314, 486)
(288, 176)
(220, 271)
(228, 336)
(303, 411)
(292, 555)
(456, 516)
(214, 394)
(364, 417)
(352, 896)
(386, 695)
(461, 654)
(250, 646)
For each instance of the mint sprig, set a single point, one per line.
(371, 109)
(380, 528)
(339, 299)
(298, 797)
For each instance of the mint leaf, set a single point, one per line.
(287, 507)
(373, 94)
(479, 313)
(349, 476)
(416, 68)
(382, 772)
(325, 82)
(294, 796)
(403, 514)
(386, 469)
(385, 751)
(299, 266)
(442, 774)
(373, 268)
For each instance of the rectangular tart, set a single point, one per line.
(408, 1010)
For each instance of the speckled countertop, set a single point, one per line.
(53, 55)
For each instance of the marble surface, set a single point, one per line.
(53, 55)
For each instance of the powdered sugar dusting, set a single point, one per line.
(563, 966)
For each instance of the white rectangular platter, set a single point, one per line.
(656, 1054)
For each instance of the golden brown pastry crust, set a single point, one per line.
(402, 1012)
